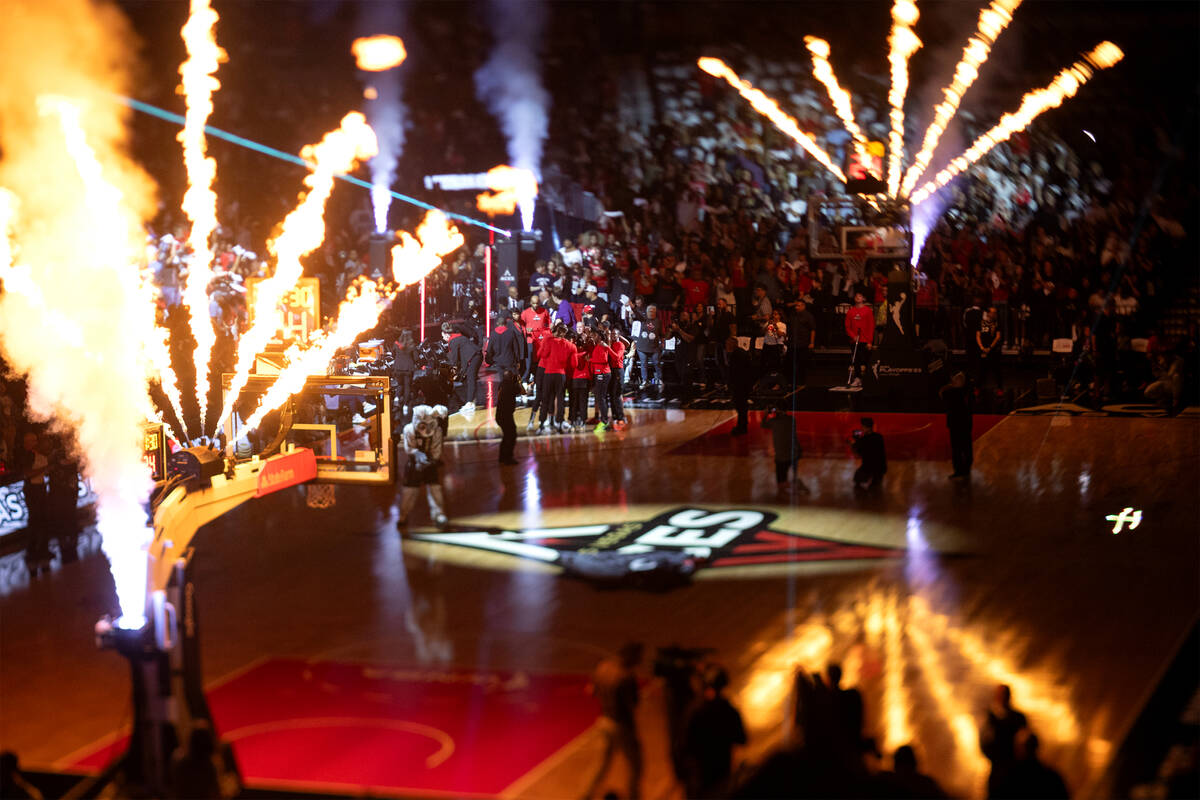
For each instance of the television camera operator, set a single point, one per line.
(465, 357)
(868, 446)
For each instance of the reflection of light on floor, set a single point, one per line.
(532, 499)
(771, 675)
(920, 563)
(1054, 719)
(897, 703)
(962, 722)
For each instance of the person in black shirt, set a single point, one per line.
(802, 330)
(869, 446)
(505, 344)
(721, 329)
(403, 365)
(988, 340)
(959, 402)
(713, 729)
(463, 354)
(34, 465)
(998, 736)
(506, 406)
(741, 379)
(972, 320)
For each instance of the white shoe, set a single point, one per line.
(856, 382)
(467, 408)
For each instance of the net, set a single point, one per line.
(320, 495)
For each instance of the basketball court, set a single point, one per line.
(341, 657)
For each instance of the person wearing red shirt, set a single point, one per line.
(557, 357)
(860, 327)
(696, 290)
(599, 364)
(581, 376)
(616, 386)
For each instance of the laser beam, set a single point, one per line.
(250, 144)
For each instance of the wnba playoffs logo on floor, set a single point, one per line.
(677, 542)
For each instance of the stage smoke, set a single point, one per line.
(510, 83)
(385, 109)
(925, 217)
(75, 312)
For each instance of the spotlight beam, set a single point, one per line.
(241, 141)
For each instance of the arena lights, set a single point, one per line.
(378, 53)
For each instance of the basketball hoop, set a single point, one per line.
(320, 495)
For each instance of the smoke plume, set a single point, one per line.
(385, 109)
(75, 312)
(510, 83)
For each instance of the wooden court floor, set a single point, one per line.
(929, 592)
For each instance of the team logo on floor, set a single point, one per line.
(672, 545)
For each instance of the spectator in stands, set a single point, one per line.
(802, 337)
(649, 345)
(988, 338)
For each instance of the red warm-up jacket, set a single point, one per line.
(617, 359)
(599, 357)
(582, 370)
(860, 324)
(557, 355)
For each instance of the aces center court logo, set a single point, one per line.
(675, 543)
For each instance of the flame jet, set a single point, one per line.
(199, 201)
(771, 110)
(413, 259)
(303, 231)
(902, 44)
(992, 22)
(1064, 85)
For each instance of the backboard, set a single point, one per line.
(345, 420)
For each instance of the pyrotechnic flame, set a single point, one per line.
(992, 22)
(1065, 85)
(903, 43)
(412, 259)
(158, 355)
(509, 187)
(378, 53)
(79, 298)
(357, 313)
(771, 110)
(415, 257)
(823, 71)
(199, 201)
(303, 231)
